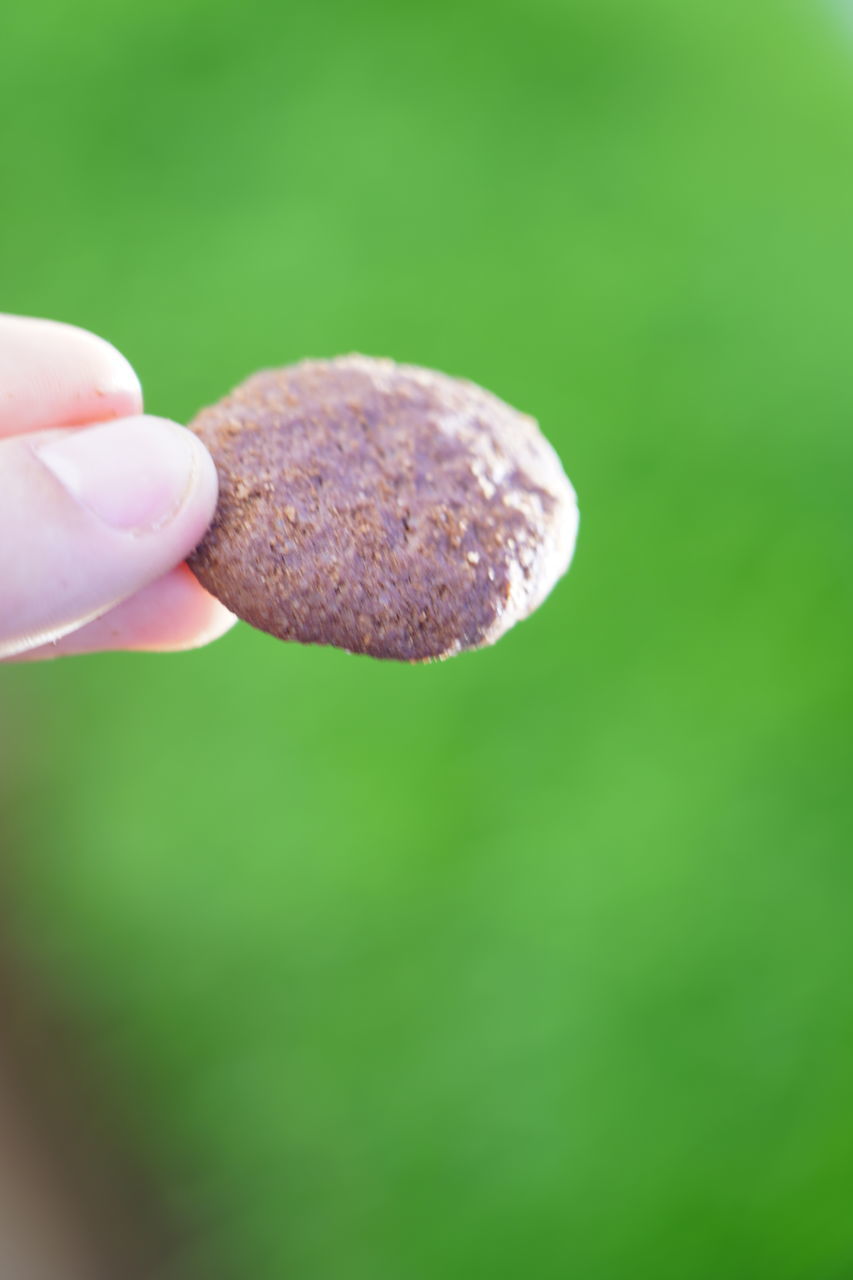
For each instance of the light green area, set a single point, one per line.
(535, 963)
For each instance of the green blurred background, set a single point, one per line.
(537, 962)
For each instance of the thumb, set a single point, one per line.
(88, 517)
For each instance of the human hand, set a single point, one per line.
(95, 520)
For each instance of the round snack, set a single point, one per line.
(381, 508)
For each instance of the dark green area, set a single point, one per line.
(535, 963)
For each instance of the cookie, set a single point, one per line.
(381, 508)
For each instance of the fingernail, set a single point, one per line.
(118, 381)
(133, 474)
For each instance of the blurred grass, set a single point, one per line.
(536, 962)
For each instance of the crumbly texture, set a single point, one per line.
(382, 508)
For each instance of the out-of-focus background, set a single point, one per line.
(537, 962)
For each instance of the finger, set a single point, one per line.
(172, 614)
(54, 375)
(90, 517)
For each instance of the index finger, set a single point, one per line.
(55, 375)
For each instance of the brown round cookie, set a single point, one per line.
(381, 508)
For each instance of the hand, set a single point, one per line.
(95, 520)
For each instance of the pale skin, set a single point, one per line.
(99, 504)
